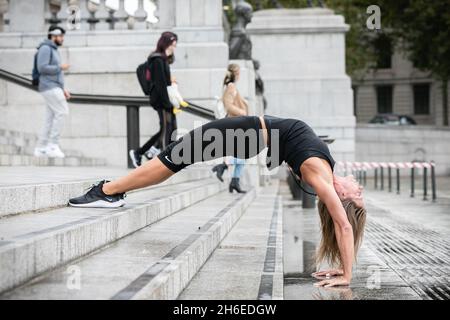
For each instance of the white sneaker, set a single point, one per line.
(40, 152)
(53, 151)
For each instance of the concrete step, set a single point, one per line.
(21, 143)
(156, 262)
(28, 160)
(43, 196)
(31, 244)
(22, 139)
(248, 264)
(12, 149)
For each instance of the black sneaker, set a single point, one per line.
(96, 198)
(136, 158)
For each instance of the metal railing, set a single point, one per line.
(132, 103)
(359, 170)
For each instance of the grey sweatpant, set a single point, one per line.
(55, 114)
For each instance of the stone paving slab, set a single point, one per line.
(246, 256)
(372, 279)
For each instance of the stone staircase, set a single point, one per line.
(16, 149)
(164, 244)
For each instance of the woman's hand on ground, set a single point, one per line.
(338, 281)
(328, 273)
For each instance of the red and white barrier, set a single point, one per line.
(357, 166)
(359, 169)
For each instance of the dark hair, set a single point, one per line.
(54, 27)
(165, 41)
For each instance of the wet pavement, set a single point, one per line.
(405, 254)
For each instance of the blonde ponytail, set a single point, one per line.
(230, 76)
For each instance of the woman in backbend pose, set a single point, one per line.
(341, 208)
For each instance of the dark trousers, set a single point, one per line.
(162, 138)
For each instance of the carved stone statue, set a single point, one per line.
(310, 3)
(259, 83)
(240, 44)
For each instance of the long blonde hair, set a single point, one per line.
(329, 249)
(231, 73)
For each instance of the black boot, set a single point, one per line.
(219, 169)
(234, 185)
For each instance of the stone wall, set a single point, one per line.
(404, 143)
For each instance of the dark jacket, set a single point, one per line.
(160, 71)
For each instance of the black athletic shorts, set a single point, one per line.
(239, 137)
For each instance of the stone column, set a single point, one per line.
(189, 13)
(27, 16)
(121, 15)
(102, 14)
(166, 14)
(302, 56)
(140, 16)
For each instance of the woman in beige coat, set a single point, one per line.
(235, 106)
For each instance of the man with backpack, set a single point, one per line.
(48, 76)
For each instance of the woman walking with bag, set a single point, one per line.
(234, 106)
(159, 61)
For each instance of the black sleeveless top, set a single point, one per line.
(296, 143)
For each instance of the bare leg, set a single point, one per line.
(152, 172)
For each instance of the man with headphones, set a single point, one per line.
(48, 76)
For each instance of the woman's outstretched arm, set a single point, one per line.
(318, 176)
(152, 172)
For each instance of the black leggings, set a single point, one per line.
(239, 137)
(161, 139)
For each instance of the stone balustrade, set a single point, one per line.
(86, 15)
(100, 15)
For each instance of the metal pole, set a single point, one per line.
(382, 178)
(425, 186)
(376, 178)
(398, 180)
(365, 177)
(412, 182)
(433, 182)
(132, 131)
(390, 179)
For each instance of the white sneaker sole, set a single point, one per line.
(99, 204)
